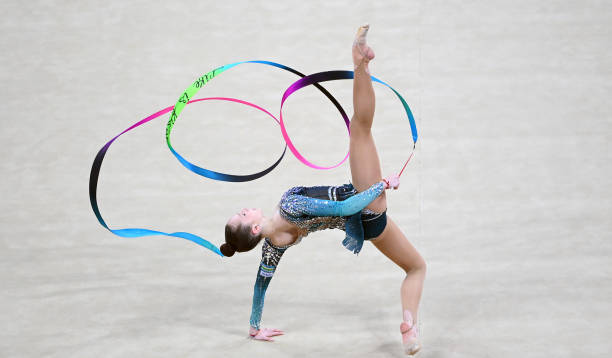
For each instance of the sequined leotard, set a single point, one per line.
(306, 208)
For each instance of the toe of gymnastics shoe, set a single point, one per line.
(409, 339)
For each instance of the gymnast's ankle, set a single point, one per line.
(362, 53)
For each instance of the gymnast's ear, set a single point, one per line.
(256, 229)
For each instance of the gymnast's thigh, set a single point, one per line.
(395, 245)
(365, 165)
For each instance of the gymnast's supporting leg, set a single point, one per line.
(365, 171)
(394, 244)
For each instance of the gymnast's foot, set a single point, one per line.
(409, 335)
(362, 53)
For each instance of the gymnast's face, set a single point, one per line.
(247, 217)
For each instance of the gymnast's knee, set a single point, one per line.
(419, 266)
(360, 126)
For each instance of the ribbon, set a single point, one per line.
(138, 232)
(199, 83)
(186, 98)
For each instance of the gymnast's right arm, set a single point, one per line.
(270, 256)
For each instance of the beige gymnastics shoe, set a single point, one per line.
(409, 335)
(362, 53)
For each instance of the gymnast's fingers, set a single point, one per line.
(273, 332)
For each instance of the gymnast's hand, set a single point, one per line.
(392, 181)
(265, 334)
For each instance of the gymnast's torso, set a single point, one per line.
(308, 209)
(299, 207)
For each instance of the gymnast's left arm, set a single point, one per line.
(270, 257)
(350, 206)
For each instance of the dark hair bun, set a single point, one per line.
(227, 250)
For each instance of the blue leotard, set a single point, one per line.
(312, 214)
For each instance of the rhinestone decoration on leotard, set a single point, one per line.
(270, 256)
(290, 208)
(293, 205)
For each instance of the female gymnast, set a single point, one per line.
(358, 208)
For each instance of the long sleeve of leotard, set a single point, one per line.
(299, 204)
(270, 256)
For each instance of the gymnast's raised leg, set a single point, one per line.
(365, 171)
